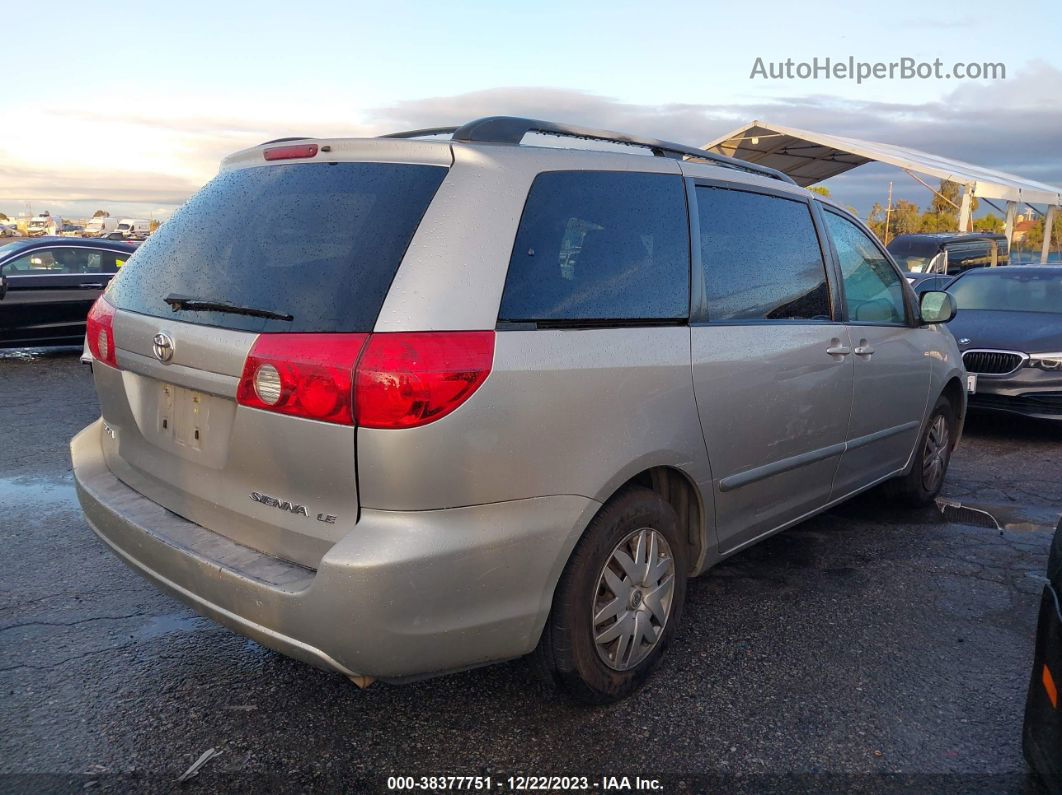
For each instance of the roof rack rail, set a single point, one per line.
(282, 140)
(419, 133)
(512, 129)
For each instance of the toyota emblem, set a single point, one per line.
(162, 345)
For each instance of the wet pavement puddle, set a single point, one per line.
(39, 492)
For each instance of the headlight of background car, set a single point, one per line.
(1046, 361)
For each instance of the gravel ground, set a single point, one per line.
(869, 648)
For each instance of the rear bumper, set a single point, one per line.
(404, 595)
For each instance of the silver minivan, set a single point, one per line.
(408, 405)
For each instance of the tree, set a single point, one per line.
(4, 217)
(101, 214)
(945, 207)
(819, 189)
(876, 220)
(906, 219)
(1034, 237)
(990, 223)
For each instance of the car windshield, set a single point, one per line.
(1010, 289)
(912, 264)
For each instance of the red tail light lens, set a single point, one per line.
(380, 380)
(305, 375)
(99, 331)
(409, 379)
(290, 152)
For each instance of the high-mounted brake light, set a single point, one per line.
(99, 331)
(400, 380)
(290, 152)
(409, 379)
(305, 375)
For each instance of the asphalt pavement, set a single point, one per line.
(870, 648)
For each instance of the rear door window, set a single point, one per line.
(320, 242)
(58, 261)
(600, 246)
(762, 259)
(974, 254)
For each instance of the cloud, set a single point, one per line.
(922, 24)
(157, 155)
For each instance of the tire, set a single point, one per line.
(632, 636)
(922, 484)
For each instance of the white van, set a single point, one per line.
(44, 224)
(99, 227)
(134, 228)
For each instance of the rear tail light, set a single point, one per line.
(305, 375)
(378, 381)
(405, 380)
(99, 331)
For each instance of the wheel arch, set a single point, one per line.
(955, 391)
(681, 493)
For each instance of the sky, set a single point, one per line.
(130, 107)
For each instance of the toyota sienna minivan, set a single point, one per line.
(409, 405)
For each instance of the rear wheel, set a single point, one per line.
(619, 600)
(922, 484)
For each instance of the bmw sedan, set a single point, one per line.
(1009, 329)
(48, 285)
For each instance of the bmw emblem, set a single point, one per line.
(964, 340)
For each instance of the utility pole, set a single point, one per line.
(888, 216)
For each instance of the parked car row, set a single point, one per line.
(46, 225)
(119, 229)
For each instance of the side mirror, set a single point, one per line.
(936, 306)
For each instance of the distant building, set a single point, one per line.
(1022, 229)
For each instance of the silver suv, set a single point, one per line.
(398, 407)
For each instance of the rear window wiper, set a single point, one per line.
(187, 302)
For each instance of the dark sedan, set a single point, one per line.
(48, 285)
(1042, 737)
(1009, 329)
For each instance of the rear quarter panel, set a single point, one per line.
(563, 412)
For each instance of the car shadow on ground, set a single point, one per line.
(1012, 427)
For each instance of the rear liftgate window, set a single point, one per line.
(600, 247)
(319, 242)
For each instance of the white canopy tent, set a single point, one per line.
(810, 157)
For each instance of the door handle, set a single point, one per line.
(864, 348)
(97, 285)
(837, 348)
